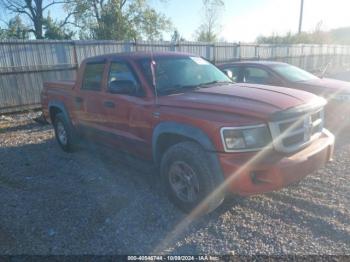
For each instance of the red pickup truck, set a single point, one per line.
(207, 135)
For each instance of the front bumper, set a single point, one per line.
(248, 173)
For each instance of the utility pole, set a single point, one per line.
(301, 15)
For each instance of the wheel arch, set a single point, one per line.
(180, 131)
(185, 132)
(56, 107)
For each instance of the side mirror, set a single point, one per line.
(228, 73)
(124, 87)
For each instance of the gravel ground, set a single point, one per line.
(98, 201)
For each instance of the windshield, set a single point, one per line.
(293, 73)
(182, 73)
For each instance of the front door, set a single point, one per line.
(127, 111)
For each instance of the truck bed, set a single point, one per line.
(56, 91)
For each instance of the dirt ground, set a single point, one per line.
(98, 201)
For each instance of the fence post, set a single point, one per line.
(256, 52)
(239, 51)
(335, 56)
(75, 55)
(273, 51)
(173, 46)
(127, 47)
(207, 51)
(214, 53)
(301, 57)
(235, 52)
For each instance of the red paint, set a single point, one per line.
(208, 109)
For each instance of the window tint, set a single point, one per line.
(255, 75)
(93, 76)
(293, 74)
(177, 74)
(120, 71)
(235, 73)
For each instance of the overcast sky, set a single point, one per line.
(244, 20)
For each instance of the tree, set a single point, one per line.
(15, 29)
(315, 37)
(151, 24)
(119, 19)
(54, 30)
(209, 30)
(35, 11)
(176, 37)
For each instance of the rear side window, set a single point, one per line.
(93, 75)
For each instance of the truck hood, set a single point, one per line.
(257, 101)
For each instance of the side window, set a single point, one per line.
(93, 75)
(255, 75)
(121, 74)
(235, 73)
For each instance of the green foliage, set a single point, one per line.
(335, 36)
(54, 30)
(302, 38)
(15, 29)
(119, 20)
(176, 37)
(205, 35)
(151, 24)
(35, 13)
(209, 30)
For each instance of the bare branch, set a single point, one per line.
(56, 2)
(66, 20)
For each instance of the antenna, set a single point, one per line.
(301, 15)
(325, 69)
(154, 82)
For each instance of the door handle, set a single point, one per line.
(79, 99)
(109, 104)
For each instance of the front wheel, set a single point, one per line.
(189, 179)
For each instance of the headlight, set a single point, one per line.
(245, 138)
(342, 97)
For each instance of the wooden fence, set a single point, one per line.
(25, 65)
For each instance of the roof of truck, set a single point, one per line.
(138, 55)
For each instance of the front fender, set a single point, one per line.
(191, 132)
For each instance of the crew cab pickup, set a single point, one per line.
(208, 136)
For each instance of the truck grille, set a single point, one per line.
(290, 135)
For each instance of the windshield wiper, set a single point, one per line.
(180, 88)
(214, 82)
(176, 88)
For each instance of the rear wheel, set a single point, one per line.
(64, 133)
(189, 179)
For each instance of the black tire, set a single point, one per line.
(69, 144)
(202, 179)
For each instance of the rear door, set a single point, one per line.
(88, 101)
